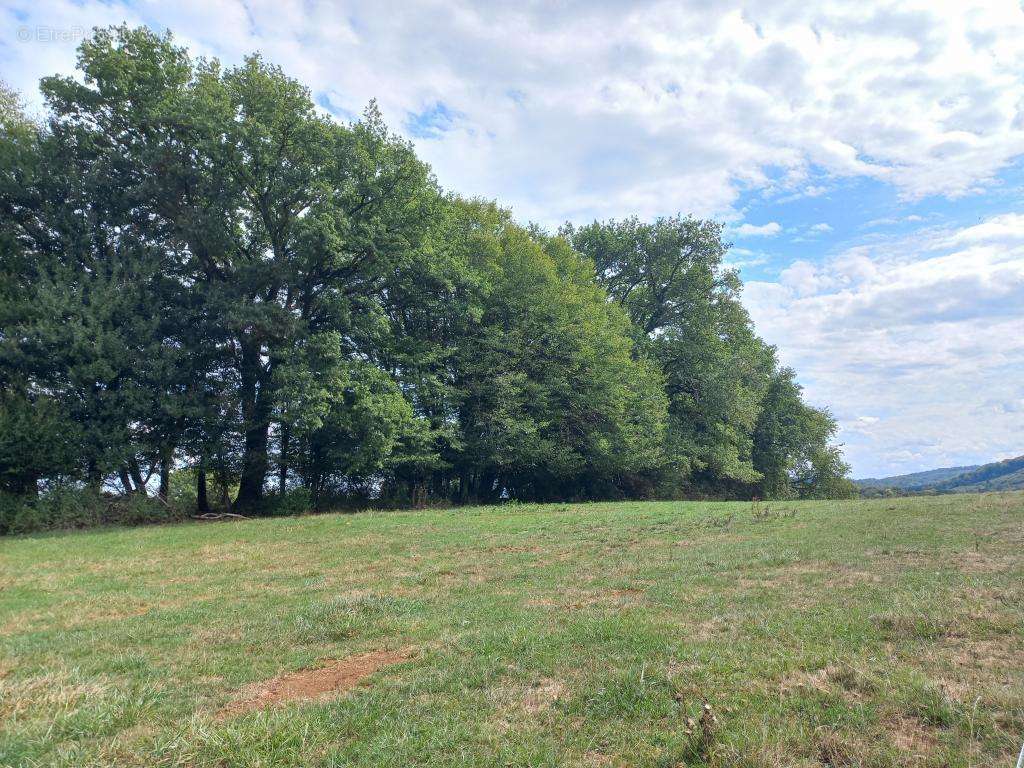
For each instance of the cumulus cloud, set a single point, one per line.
(582, 110)
(770, 229)
(925, 333)
(1006, 228)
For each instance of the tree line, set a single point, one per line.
(206, 281)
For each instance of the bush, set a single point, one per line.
(297, 501)
(183, 488)
(66, 507)
(59, 507)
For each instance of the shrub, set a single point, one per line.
(297, 501)
(70, 507)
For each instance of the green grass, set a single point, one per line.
(873, 633)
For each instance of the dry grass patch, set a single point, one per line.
(56, 691)
(1001, 655)
(851, 683)
(803, 680)
(542, 695)
(542, 602)
(913, 738)
(627, 594)
(708, 630)
(811, 573)
(837, 751)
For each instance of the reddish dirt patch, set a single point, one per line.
(332, 679)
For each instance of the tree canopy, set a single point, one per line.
(204, 277)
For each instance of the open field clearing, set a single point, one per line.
(859, 633)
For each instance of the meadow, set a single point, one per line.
(886, 632)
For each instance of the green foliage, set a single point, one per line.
(792, 446)
(737, 424)
(204, 283)
(533, 367)
(69, 507)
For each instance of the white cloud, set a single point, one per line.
(802, 278)
(770, 229)
(1006, 228)
(925, 332)
(861, 424)
(744, 257)
(580, 110)
(821, 228)
(891, 220)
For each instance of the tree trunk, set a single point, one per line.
(254, 468)
(126, 481)
(283, 461)
(485, 487)
(93, 478)
(225, 497)
(136, 475)
(256, 422)
(166, 459)
(202, 499)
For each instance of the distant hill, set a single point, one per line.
(1005, 475)
(915, 479)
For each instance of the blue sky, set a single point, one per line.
(866, 157)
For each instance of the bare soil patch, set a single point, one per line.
(332, 679)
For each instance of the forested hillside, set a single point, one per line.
(213, 296)
(1006, 475)
(915, 480)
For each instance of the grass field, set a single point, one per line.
(862, 633)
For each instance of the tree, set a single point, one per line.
(279, 223)
(726, 394)
(685, 309)
(549, 401)
(792, 446)
(82, 319)
(204, 278)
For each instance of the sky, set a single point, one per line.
(866, 157)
